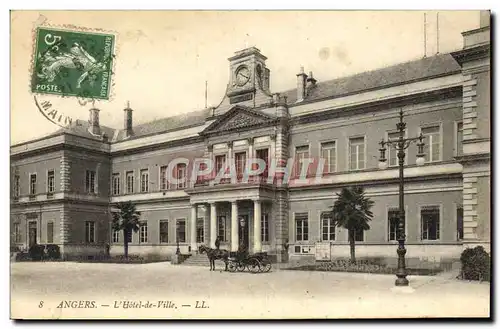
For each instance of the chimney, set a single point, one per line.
(484, 18)
(127, 122)
(94, 121)
(311, 82)
(301, 85)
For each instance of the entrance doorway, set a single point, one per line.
(32, 233)
(243, 232)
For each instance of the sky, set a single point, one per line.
(163, 58)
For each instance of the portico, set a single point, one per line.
(240, 220)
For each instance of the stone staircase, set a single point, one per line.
(201, 260)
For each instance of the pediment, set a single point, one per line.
(238, 117)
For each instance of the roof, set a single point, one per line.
(176, 122)
(421, 69)
(393, 75)
(81, 128)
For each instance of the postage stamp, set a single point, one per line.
(73, 63)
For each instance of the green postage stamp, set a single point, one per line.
(72, 63)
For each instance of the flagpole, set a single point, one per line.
(206, 87)
(425, 35)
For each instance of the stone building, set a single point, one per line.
(64, 186)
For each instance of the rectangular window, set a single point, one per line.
(143, 232)
(90, 181)
(116, 236)
(460, 223)
(393, 223)
(164, 231)
(201, 179)
(89, 232)
(163, 178)
(181, 175)
(301, 153)
(357, 153)
(181, 230)
(130, 181)
(264, 228)
(17, 232)
(200, 230)
(221, 220)
(17, 185)
(301, 227)
(220, 162)
(32, 184)
(264, 155)
(51, 181)
(116, 184)
(329, 154)
(359, 235)
(460, 137)
(432, 140)
(240, 161)
(393, 152)
(327, 227)
(50, 232)
(430, 222)
(144, 180)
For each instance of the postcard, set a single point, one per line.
(250, 164)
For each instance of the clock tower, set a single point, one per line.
(248, 75)
(248, 81)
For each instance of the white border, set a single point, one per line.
(189, 4)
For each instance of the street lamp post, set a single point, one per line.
(401, 144)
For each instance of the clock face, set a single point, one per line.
(242, 76)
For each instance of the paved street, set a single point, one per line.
(278, 294)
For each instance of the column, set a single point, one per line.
(213, 224)
(229, 152)
(234, 226)
(210, 150)
(194, 216)
(250, 156)
(257, 238)
(229, 162)
(250, 147)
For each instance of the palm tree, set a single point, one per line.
(352, 211)
(126, 219)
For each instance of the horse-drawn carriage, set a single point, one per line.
(255, 263)
(238, 261)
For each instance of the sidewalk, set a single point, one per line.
(277, 294)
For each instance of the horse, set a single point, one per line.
(214, 254)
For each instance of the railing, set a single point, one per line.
(240, 179)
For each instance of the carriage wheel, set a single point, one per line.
(266, 265)
(240, 267)
(231, 267)
(253, 265)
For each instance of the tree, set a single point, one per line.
(352, 211)
(126, 219)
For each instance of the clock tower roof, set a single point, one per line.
(247, 52)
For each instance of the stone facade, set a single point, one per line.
(338, 122)
(475, 62)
